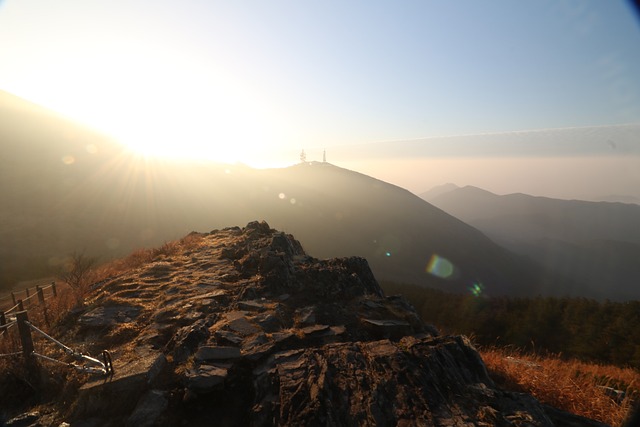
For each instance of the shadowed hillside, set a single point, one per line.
(85, 193)
(596, 244)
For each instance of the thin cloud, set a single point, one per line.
(617, 140)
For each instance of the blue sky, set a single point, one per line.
(227, 80)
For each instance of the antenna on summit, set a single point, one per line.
(324, 156)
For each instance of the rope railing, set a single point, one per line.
(29, 293)
(17, 315)
(85, 363)
(92, 365)
(14, 308)
(18, 353)
(6, 326)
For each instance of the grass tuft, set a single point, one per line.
(581, 388)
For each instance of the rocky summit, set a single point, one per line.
(245, 329)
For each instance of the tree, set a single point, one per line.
(78, 273)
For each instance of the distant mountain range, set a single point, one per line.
(65, 188)
(597, 244)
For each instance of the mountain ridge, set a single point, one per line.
(83, 192)
(594, 243)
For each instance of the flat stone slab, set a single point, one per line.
(217, 353)
(380, 348)
(386, 322)
(251, 305)
(242, 326)
(123, 388)
(109, 315)
(228, 336)
(316, 330)
(206, 377)
(150, 406)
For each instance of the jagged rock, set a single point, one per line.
(206, 378)
(188, 338)
(307, 315)
(268, 322)
(217, 353)
(274, 338)
(24, 420)
(224, 337)
(243, 327)
(388, 328)
(109, 315)
(149, 409)
(251, 306)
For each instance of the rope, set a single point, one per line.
(42, 356)
(104, 368)
(18, 353)
(29, 297)
(87, 369)
(66, 349)
(6, 326)
(15, 307)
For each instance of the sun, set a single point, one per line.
(178, 109)
(195, 121)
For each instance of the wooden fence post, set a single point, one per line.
(3, 321)
(40, 295)
(20, 305)
(27, 343)
(25, 333)
(53, 287)
(13, 297)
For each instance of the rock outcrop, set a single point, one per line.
(245, 329)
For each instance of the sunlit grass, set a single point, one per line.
(570, 385)
(141, 257)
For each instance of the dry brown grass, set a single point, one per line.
(56, 308)
(570, 385)
(141, 257)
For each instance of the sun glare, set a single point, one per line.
(178, 109)
(194, 121)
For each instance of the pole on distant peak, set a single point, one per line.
(324, 156)
(303, 156)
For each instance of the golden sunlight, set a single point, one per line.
(191, 119)
(179, 109)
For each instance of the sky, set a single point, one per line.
(256, 82)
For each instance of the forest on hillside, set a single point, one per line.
(581, 328)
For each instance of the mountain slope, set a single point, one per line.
(595, 243)
(241, 327)
(108, 202)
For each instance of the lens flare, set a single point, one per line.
(387, 245)
(476, 289)
(68, 160)
(440, 267)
